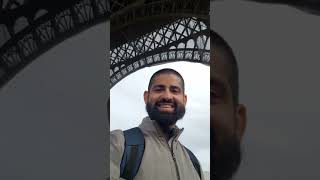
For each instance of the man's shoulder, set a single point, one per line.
(116, 138)
(116, 132)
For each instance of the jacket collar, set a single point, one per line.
(151, 127)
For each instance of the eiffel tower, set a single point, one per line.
(28, 28)
(172, 31)
(150, 32)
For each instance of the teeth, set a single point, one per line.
(169, 105)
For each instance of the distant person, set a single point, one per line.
(228, 117)
(152, 151)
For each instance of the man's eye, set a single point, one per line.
(215, 96)
(175, 90)
(157, 89)
(213, 93)
(217, 91)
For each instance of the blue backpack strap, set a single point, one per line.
(195, 161)
(133, 152)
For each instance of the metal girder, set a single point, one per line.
(145, 10)
(151, 14)
(29, 29)
(186, 39)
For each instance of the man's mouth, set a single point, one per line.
(166, 106)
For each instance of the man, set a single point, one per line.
(164, 157)
(228, 116)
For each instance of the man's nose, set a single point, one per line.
(167, 95)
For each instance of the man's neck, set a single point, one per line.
(168, 131)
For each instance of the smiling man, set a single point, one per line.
(228, 116)
(152, 150)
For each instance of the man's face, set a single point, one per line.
(165, 101)
(227, 119)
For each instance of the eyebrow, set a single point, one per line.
(157, 86)
(162, 86)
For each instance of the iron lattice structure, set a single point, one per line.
(183, 40)
(151, 14)
(28, 28)
(151, 32)
(128, 12)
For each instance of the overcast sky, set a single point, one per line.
(128, 108)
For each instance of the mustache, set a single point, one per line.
(169, 101)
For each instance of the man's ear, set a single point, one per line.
(241, 117)
(185, 98)
(145, 96)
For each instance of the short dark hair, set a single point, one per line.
(233, 78)
(166, 71)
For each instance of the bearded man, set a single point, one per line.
(159, 155)
(228, 116)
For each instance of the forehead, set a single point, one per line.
(166, 79)
(220, 68)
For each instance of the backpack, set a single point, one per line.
(133, 153)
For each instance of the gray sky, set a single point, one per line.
(277, 48)
(128, 108)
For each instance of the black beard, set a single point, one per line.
(165, 119)
(228, 159)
